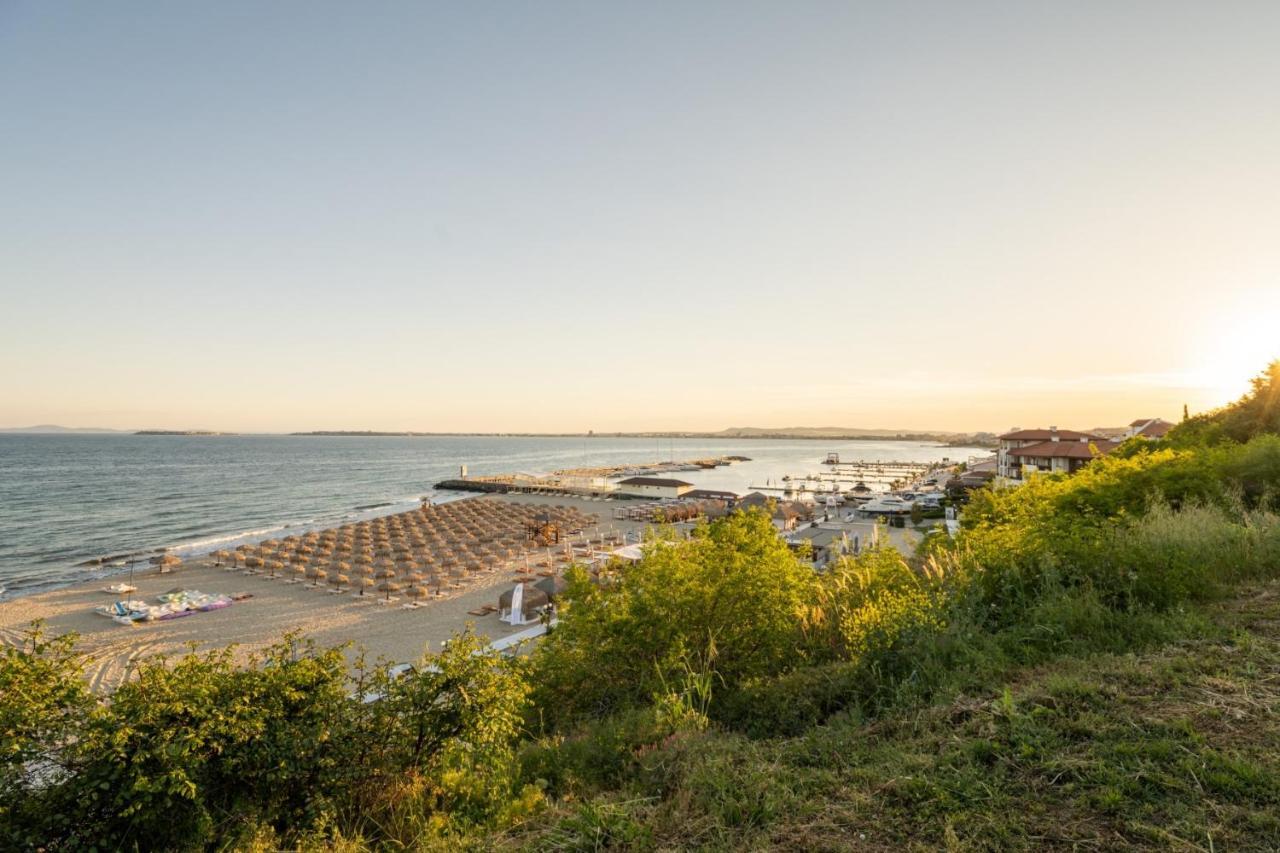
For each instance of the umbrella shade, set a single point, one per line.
(417, 593)
(339, 580)
(552, 586)
(532, 599)
(168, 560)
(388, 587)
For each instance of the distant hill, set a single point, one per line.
(182, 432)
(54, 428)
(829, 432)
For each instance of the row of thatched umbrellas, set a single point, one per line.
(430, 547)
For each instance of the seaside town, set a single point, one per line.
(494, 553)
(720, 427)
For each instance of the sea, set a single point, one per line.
(67, 499)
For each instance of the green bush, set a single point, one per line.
(734, 593)
(199, 748)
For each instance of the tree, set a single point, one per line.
(734, 586)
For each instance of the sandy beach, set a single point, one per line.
(275, 609)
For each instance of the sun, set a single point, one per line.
(1239, 349)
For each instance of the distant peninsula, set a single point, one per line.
(954, 439)
(54, 429)
(182, 432)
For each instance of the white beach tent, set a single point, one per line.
(516, 616)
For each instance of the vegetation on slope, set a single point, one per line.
(720, 694)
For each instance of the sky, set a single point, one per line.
(635, 216)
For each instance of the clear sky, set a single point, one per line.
(570, 216)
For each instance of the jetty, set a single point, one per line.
(582, 482)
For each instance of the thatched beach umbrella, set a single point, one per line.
(168, 562)
(220, 557)
(552, 586)
(530, 600)
(388, 586)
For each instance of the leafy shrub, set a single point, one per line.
(200, 748)
(735, 587)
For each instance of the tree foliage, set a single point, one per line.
(1254, 414)
(734, 586)
(199, 748)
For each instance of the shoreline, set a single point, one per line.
(277, 608)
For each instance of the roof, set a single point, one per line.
(653, 481)
(1047, 434)
(1156, 428)
(710, 494)
(1064, 449)
(819, 536)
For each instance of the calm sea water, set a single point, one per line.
(67, 498)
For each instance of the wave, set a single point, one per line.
(209, 542)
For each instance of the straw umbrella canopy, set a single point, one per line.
(274, 567)
(220, 556)
(339, 581)
(317, 576)
(364, 582)
(417, 593)
(552, 586)
(388, 586)
(531, 599)
(168, 561)
(299, 571)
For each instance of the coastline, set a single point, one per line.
(275, 609)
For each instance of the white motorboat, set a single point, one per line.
(887, 504)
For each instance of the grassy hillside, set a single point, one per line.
(1090, 663)
(1171, 748)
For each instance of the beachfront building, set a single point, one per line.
(1009, 465)
(1152, 428)
(827, 544)
(786, 515)
(729, 498)
(653, 487)
(1024, 452)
